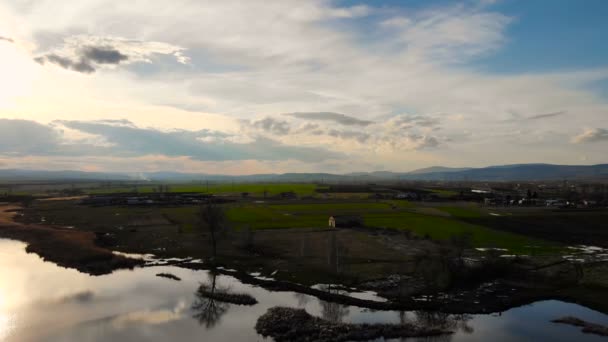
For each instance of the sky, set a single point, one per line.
(273, 86)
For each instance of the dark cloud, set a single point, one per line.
(271, 125)
(592, 135)
(329, 116)
(6, 39)
(86, 60)
(66, 63)
(103, 55)
(546, 116)
(359, 136)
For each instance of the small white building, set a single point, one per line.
(332, 222)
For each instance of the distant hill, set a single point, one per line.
(438, 169)
(64, 175)
(516, 172)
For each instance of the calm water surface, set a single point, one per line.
(40, 301)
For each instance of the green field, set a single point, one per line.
(385, 215)
(443, 228)
(442, 192)
(463, 212)
(438, 221)
(295, 215)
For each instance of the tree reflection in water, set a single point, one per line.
(333, 312)
(302, 299)
(439, 320)
(207, 310)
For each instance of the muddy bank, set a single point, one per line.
(493, 297)
(64, 247)
(487, 298)
(586, 327)
(68, 249)
(287, 324)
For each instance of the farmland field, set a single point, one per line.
(387, 215)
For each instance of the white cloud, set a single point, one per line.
(449, 33)
(84, 53)
(591, 135)
(251, 60)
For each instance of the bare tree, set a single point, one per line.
(207, 310)
(212, 220)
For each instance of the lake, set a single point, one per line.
(40, 301)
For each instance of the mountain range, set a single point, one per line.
(530, 172)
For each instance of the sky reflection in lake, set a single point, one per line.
(40, 301)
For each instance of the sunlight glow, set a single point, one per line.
(17, 73)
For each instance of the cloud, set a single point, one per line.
(416, 142)
(27, 137)
(309, 127)
(270, 125)
(86, 54)
(81, 65)
(351, 12)
(317, 57)
(449, 34)
(6, 39)
(22, 137)
(412, 142)
(103, 55)
(198, 145)
(359, 136)
(591, 135)
(82, 297)
(411, 121)
(121, 122)
(329, 116)
(548, 115)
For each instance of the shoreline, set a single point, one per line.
(64, 247)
